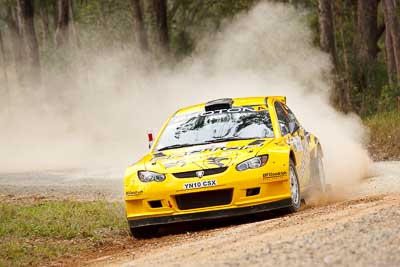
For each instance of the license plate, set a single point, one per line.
(200, 184)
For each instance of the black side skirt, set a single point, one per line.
(207, 215)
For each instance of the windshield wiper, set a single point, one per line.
(175, 146)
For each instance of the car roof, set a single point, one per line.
(243, 101)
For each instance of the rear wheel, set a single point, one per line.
(144, 232)
(294, 188)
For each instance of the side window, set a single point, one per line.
(282, 118)
(292, 117)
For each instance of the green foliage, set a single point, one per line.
(107, 21)
(190, 20)
(367, 100)
(313, 22)
(390, 98)
(384, 135)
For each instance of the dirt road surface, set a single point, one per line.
(79, 184)
(361, 228)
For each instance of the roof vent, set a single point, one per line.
(223, 103)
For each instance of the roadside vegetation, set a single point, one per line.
(39, 232)
(384, 135)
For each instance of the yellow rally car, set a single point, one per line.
(226, 157)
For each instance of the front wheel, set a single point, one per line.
(294, 188)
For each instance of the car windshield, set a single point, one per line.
(215, 126)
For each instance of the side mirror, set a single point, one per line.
(293, 127)
(150, 138)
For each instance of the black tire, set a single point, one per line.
(144, 232)
(318, 183)
(296, 203)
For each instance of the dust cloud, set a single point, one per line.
(101, 115)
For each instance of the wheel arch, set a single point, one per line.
(292, 157)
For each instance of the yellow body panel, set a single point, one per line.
(272, 178)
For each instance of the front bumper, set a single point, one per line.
(209, 215)
(165, 202)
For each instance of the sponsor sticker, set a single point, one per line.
(134, 193)
(231, 110)
(200, 184)
(269, 176)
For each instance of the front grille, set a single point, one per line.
(204, 199)
(191, 174)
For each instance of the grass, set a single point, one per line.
(36, 233)
(385, 135)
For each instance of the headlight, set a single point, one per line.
(252, 163)
(148, 176)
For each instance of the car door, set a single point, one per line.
(293, 135)
(302, 138)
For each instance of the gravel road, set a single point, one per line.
(360, 230)
(79, 184)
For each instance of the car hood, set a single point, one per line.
(204, 156)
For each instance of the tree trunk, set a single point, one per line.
(160, 8)
(392, 37)
(5, 75)
(366, 46)
(390, 59)
(368, 34)
(2, 51)
(30, 48)
(44, 15)
(63, 19)
(74, 31)
(12, 24)
(138, 25)
(343, 93)
(54, 5)
(327, 31)
(3, 61)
